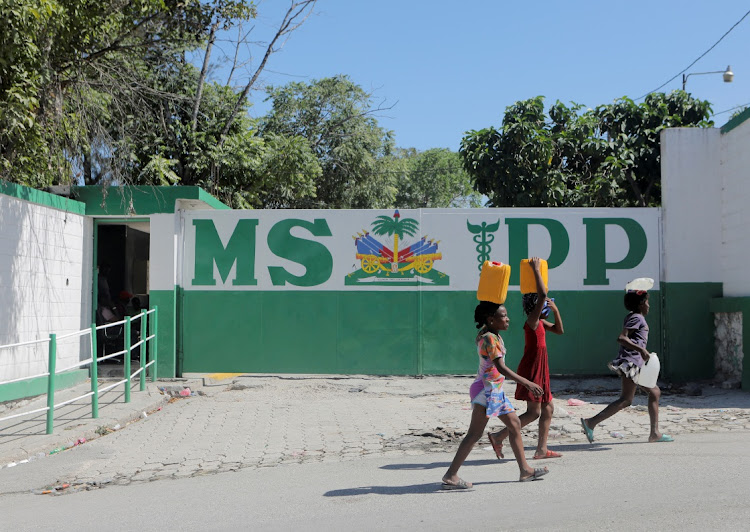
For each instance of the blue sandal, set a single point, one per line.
(664, 437)
(587, 431)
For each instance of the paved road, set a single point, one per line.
(333, 449)
(698, 482)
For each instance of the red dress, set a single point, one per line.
(534, 365)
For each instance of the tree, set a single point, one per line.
(51, 56)
(335, 116)
(103, 89)
(432, 179)
(633, 130)
(608, 156)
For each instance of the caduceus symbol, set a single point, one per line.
(483, 237)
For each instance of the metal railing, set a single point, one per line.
(148, 346)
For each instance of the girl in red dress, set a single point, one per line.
(534, 366)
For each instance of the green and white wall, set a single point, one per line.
(285, 291)
(705, 193)
(45, 286)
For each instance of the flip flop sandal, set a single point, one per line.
(550, 454)
(538, 473)
(497, 447)
(587, 431)
(460, 485)
(664, 437)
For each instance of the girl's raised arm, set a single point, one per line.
(541, 293)
(556, 327)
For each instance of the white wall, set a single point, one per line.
(706, 207)
(735, 212)
(691, 201)
(45, 284)
(164, 230)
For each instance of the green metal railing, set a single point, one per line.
(148, 346)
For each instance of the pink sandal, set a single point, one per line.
(496, 446)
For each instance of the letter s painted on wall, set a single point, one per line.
(314, 256)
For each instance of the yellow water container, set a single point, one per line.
(528, 281)
(493, 282)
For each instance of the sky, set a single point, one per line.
(445, 68)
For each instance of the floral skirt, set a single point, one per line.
(498, 403)
(624, 367)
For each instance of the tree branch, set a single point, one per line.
(202, 76)
(296, 9)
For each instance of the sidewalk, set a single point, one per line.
(25, 438)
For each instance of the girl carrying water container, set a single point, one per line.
(628, 364)
(534, 365)
(487, 396)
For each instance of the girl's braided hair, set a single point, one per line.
(634, 298)
(484, 310)
(529, 302)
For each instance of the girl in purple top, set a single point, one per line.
(630, 359)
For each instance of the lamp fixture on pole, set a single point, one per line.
(728, 75)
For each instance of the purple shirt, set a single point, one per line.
(637, 330)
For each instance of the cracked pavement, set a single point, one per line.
(265, 421)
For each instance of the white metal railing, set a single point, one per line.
(147, 344)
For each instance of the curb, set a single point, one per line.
(89, 434)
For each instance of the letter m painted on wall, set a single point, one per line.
(240, 250)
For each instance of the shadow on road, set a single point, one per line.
(413, 489)
(572, 447)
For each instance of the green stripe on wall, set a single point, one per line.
(688, 319)
(377, 332)
(166, 301)
(42, 198)
(38, 385)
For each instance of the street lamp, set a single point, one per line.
(727, 74)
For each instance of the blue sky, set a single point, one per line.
(448, 67)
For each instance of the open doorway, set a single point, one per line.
(122, 279)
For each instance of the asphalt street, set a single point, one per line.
(699, 482)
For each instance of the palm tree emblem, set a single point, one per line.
(385, 225)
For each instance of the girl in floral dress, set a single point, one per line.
(488, 399)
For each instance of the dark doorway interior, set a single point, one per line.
(122, 285)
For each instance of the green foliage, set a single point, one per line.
(76, 82)
(334, 116)
(608, 156)
(432, 179)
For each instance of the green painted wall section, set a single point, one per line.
(399, 333)
(139, 200)
(738, 304)
(42, 198)
(38, 386)
(167, 331)
(689, 347)
(736, 121)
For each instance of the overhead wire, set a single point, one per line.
(731, 109)
(699, 57)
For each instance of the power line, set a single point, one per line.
(699, 58)
(732, 109)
